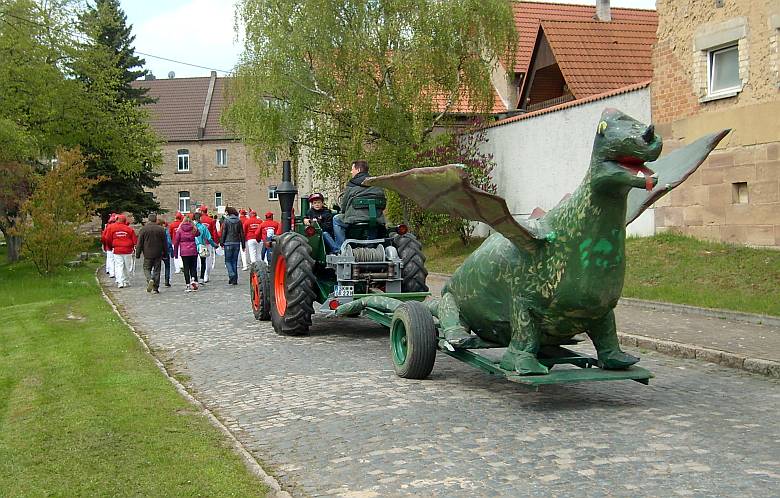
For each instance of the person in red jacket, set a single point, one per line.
(244, 256)
(122, 241)
(251, 229)
(268, 230)
(104, 242)
(211, 223)
(172, 229)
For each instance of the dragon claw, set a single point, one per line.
(523, 363)
(616, 360)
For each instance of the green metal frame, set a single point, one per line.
(549, 356)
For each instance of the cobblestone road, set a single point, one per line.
(327, 415)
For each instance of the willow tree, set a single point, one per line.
(341, 79)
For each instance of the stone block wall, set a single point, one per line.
(241, 181)
(735, 195)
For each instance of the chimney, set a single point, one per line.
(602, 11)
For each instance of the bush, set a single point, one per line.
(54, 212)
(458, 147)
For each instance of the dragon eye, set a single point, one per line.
(601, 128)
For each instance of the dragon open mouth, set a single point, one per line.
(637, 168)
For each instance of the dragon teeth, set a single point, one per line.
(639, 174)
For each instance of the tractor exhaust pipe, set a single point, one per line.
(286, 192)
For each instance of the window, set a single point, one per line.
(183, 156)
(217, 199)
(221, 157)
(184, 201)
(272, 195)
(724, 70)
(739, 193)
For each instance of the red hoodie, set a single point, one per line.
(263, 232)
(252, 227)
(121, 238)
(212, 224)
(173, 227)
(104, 236)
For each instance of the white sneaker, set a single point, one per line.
(206, 280)
(188, 289)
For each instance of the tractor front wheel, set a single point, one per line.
(414, 273)
(260, 290)
(413, 341)
(292, 285)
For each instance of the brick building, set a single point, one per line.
(202, 162)
(716, 65)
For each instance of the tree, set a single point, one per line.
(121, 148)
(363, 78)
(37, 100)
(54, 213)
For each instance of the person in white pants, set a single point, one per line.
(253, 247)
(122, 239)
(110, 263)
(244, 255)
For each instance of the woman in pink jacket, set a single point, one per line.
(184, 245)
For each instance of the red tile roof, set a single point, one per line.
(529, 15)
(463, 106)
(177, 114)
(595, 57)
(572, 103)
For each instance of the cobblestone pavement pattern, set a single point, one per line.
(327, 415)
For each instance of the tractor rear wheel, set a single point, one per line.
(260, 290)
(413, 341)
(414, 273)
(292, 285)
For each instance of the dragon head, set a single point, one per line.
(620, 150)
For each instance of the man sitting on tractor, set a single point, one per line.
(324, 217)
(351, 214)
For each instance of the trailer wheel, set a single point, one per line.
(292, 285)
(413, 341)
(260, 290)
(414, 272)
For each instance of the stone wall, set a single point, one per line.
(240, 181)
(734, 197)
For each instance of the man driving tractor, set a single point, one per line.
(350, 213)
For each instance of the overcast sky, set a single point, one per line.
(200, 32)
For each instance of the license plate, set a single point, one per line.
(343, 291)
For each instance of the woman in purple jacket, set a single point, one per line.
(184, 245)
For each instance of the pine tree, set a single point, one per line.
(122, 149)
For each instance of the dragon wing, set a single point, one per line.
(672, 170)
(446, 189)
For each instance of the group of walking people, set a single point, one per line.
(188, 245)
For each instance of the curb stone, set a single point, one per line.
(708, 312)
(760, 366)
(249, 461)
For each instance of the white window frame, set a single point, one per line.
(272, 195)
(711, 71)
(184, 201)
(222, 157)
(183, 160)
(218, 200)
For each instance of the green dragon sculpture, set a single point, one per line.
(544, 280)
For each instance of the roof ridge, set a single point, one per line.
(572, 103)
(582, 5)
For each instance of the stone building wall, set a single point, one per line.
(240, 181)
(735, 195)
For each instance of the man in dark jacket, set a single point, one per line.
(154, 246)
(356, 190)
(233, 241)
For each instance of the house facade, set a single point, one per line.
(202, 163)
(716, 65)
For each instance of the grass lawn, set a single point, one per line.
(85, 412)
(676, 269)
